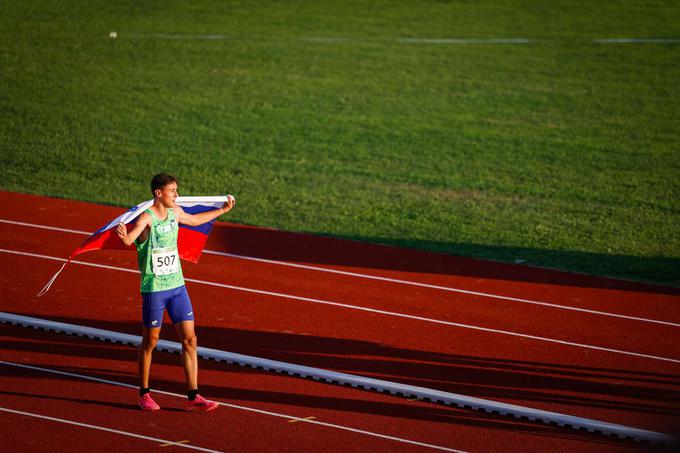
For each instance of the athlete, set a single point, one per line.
(155, 237)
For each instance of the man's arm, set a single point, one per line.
(203, 217)
(129, 237)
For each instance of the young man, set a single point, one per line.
(155, 237)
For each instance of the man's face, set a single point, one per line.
(168, 194)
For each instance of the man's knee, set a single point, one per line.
(190, 343)
(150, 341)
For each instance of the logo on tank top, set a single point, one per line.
(164, 229)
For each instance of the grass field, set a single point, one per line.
(364, 120)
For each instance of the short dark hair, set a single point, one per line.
(161, 180)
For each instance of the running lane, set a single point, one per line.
(559, 378)
(582, 382)
(634, 333)
(264, 412)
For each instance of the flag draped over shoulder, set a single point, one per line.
(190, 239)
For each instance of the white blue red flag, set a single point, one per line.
(190, 239)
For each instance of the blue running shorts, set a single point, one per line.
(176, 301)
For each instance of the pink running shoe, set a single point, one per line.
(201, 404)
(147, 403)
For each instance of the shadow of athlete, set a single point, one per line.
(162, 284)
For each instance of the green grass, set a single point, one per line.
(563, 152)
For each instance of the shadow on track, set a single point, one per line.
(523, 382)
(233, 394)
(389, 254)
(88, 402)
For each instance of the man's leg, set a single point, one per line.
(182, 315)
(149, 340)
(187, 336)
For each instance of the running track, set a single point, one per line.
(578, 345)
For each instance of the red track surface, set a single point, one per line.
(613, 386)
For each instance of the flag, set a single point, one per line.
(190, 239)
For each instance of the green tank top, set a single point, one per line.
(158, 258)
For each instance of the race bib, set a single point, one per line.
(165, 261)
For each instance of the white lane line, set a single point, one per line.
(234, 406)
(392, 280)
(340, 39)
(109, 430)
(44, 227)
(327, 39)
(638, 41)
(209, 37)
(464, 40)
(446, 288)
(371, 310)
(359, 39)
